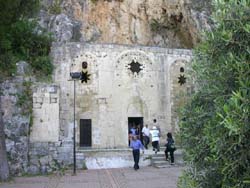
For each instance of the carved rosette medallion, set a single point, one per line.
(134, 64)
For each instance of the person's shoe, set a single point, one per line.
(155, 152)
(166, 159)
(172, 163)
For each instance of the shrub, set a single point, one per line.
(22, 38)
(215, 123)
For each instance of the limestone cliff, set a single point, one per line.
(166, 23)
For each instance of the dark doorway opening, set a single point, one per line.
(138, 123)
(85, 133)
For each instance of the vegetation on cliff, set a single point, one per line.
(215, 123)
(22, 38)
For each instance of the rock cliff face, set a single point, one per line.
(165, 23)
(16, 106)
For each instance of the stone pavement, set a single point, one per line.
(146, 177)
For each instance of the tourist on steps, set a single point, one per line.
(155, 139)
(170, 147)
(145, 134)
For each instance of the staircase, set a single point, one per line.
(159, 161)
(114, 158)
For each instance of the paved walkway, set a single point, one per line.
(146, 177)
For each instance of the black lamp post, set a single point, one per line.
(75, 76)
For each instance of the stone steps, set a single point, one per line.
(123, 156)
(159, 161)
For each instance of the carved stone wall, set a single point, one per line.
(124, 81)
(45, 114)
(180, 86)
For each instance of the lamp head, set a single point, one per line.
(75, 75)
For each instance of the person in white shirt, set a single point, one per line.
(145, 134)
(157, 126)
(155, 139)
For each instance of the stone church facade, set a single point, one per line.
(126, 85)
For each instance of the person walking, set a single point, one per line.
(170, 148)
(157, 126)
(155, 123)
(145, 134)
(155, 139)
(132, 130)
(136, 145)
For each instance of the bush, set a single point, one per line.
(22, 38)
(215, 123)
(187, 181)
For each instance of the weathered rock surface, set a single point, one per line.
(16, 119)
(166, 23)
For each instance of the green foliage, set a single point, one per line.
(94, 1)
(7, 64)
(172, 23)
(163, 24)
(14, 10)
(186, 181)
(215, 122)
(22, 39)
(24, 99)
(55, 8)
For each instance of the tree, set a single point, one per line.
(21, 38)
(215, 122)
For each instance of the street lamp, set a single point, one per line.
(75, 76)
(84, 76)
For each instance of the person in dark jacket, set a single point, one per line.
(170, 148)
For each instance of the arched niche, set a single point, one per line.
(179, 83)
(136, 107)
(85, 62)
(132, 63)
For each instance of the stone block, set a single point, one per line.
(39, 100)
(52, 89)
(37, 105)
(44, 169)
(34, 160)
(45, 160)
(10, 144)
(33, 169)
(53, 100)
(46, 100)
